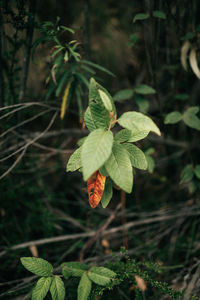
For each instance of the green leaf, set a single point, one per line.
(182, 97)
(123, 135)
(89, 121)
(84, 287)
(74, 162)
(81, 141)
(119, 168)
(188, 36)
(103, 171)
(136, 121)
(190, 118)
(197, 171)
(101, 276)
(173, 117)
(150, 163)
(122, 95)
(144, 89)
(133, 39)
(159, 14)
(99, 86)
(106, 100)
(97, 67)
(73, 269)
(96, 150)
(37, 266)
(57, 288)
(137, 157)
(142, 103)
(107, 194)
(140, 17)
(41, 288)
(138, 135)
(187, 174)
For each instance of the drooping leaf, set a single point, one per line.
(89, 121)
(190, 118)
(137, 135)
(144, 89)
(123, 95)
(84, 287)
(136, 121)
(37, 266)
(173, 117)
(41, 288)
(123, 135)
(61, 82)
(74, 162)
(57, 288)
(64, 100)
(95, 151)
(187, 174)
(119, 168)
(197, 171)
(100, 275)
(136, 155)
(107, 194)
(140, 17)
(106, 100)
(159, 14)
(194, 62)
(73, 269)
(95, 188)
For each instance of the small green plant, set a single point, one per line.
(111, 156)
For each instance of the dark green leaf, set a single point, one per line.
(107, 194)
(122, 95)
(187, 174)
(144, 89)
(159, 14)
(140, 17)
(100, 275)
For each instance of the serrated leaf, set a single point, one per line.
(89, 121)
(137, 157)
(190, 118)
(74, 162)
(123, 95)
(99, 114)
(140, 17)
(100, 275)
(106, 100)
(107, 194)
(159, 14)
(173, 117)
(37, 266)
(84, 287)
(184, 52)
(136, 121)
(137, 136)
(144, 89)
(57, 288)
(41, 288)
(187, 174)
(194, 63)
(123, 135)
(119, 168)
(73, 269)
(95, 188)
(197, 171)
(95, 151)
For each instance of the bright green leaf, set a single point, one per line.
(84, 287)
(74, 162)
(173, 117)
(41, 288)
(140, 17)
(159, 14)
(122, 95)
(96, 150)
(144, 89)
(57, 289)
(123, 135)
(107, 194)
(187, 174)
(137, 135)
(137, 156)
(100, 275)
(73, 269)
(37, 266)
(119, 168)
(106, 100)
(136, 121)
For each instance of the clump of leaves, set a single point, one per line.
(105, 159)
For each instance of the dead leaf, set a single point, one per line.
(64, 100)
(184, 51)
(105, 243)
(95, 188)
(53, 73)
(33, 250)
(193, 62)
(140, 283)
